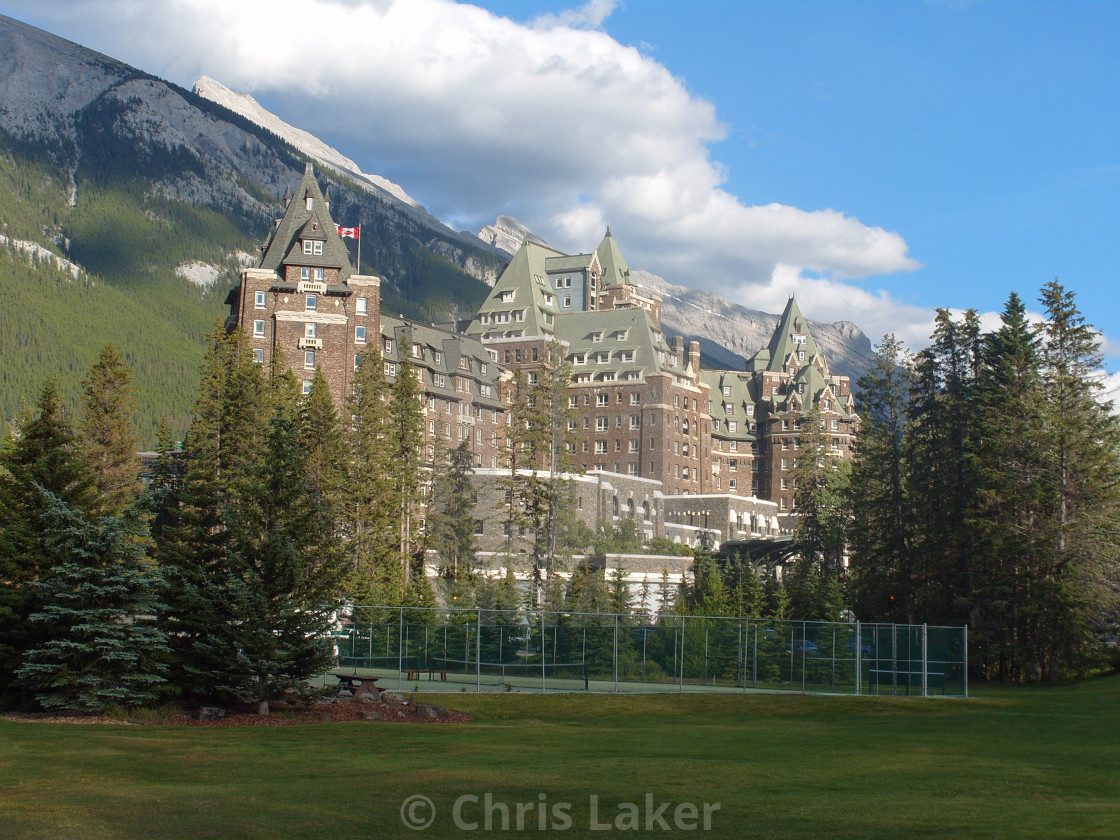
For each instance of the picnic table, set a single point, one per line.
(356, 685)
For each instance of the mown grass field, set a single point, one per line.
(1011, 763)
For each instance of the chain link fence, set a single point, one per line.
(527, 650)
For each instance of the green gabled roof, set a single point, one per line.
(527, 278)
(791, 323)
(284, 247)
(452, 347)
(578, 330)
(744, 392)
(615, 270)
(577, 262)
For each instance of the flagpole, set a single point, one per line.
(359, 265)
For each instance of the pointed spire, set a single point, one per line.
(287, 195)
(608, 230)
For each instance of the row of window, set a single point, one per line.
(311, 302)
(602, 357)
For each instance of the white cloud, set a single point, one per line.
(554, 122)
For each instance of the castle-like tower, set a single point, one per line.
(303, 304)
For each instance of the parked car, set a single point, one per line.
(802, 646)
(864, 648)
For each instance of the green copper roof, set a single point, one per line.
(522, 301)
(628, 337)
(790, 337)
(298, 223)
(615, 270)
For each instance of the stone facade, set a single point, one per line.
(685, 452)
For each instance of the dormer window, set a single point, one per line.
(507, 297)
(309, 202)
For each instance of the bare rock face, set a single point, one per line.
(507, 234)
(729, 333)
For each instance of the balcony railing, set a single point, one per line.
(310, 344)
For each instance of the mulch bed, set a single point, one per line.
(340, 711)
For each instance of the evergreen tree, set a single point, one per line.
(775, 598)
(288, 566)
(820, 486)
(1011, 499)
(41, 456)
(101, 646)
(406, 419)
(106, 436)
(374, 574)
(206, 595)
(706, 595)
(322, 439)
(744, 590)
(879, 521)
(451, 520)
(1079, 584)
(940, 476)
(166, 482)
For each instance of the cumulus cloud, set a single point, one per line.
(554, 122)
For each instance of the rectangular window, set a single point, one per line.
(258, 356)
(635, 398)
(260, 300)
(309, 330)
(311, 303)
(357, 362)
(601, 399)
(309, 360)
(306, 387)
(635, 421)
(361, 306)
(318, 249)
(304, 274)
(318, 275)
(731, 425)
(627, 355)
(258, 329)
(388, 345)
(600, 447)
(573, 402)
(360, 335)
(307, 246)
(602, 424)
(633, 445)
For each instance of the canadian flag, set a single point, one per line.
(351, 232)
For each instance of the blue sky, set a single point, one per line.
(878, 159)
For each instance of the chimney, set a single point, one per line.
(678, 350)
(694, 356)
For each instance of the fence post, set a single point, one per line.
(400, 649)
(859, 658)
(682, 654)
(478, 650)
(894, 660)
(616, 653)
(925, 660)
(965, 660)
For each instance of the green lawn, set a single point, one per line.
(1011, 763)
